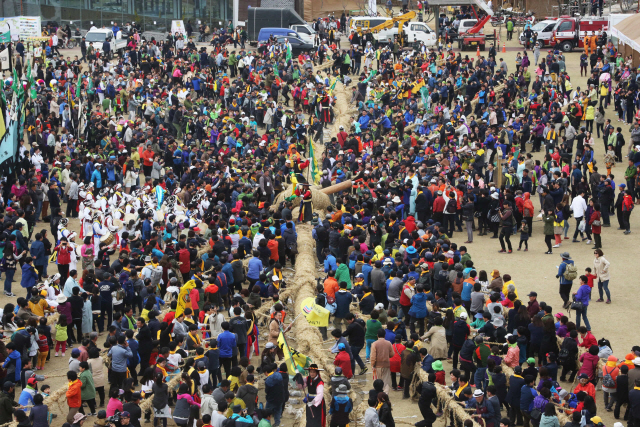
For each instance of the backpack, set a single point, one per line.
(452, 206)
(293, 247)
(563, 356)
(571, 272)
(607, 380)
(156, 275)
(330, 304)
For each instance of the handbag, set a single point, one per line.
(577, 305)
(596, 223)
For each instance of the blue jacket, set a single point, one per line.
(254, 269)
(427, 362)
(330, 264)
(226, 343)
(584, 294)
(343, 302)
(119, 357)
(111, 172)
(561, 269)
(527, 394)
(96, 178)
(37, 253)
(88, 170)
(390, 336)
(364, 122)
(146, 229)
(29, 276)
(135, 359)
(515, 386)
(366, 270)
(419, 306)
(467, 288)
(26, 397)
(274, 390)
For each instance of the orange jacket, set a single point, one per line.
(74, 394)
(331, 286)
(147, 157)
(273, 247)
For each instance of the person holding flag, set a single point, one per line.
(316, 410)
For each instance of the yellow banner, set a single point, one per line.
(316, 315)
(183, 297)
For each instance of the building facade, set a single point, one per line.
(151, 15)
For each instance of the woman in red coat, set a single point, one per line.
(63, 259)
(395, 362)
(344, 361)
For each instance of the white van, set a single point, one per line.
(544, 30)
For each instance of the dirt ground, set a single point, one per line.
(531, 271)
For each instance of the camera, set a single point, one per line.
(115, 418)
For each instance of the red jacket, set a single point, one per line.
(588, 340)
(438, 204)
(595, 229)
(185, 258)
(410, 224)
(64, 256)
(396, 360)
(344, 361)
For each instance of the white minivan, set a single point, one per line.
(544, 30)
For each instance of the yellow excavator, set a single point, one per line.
(400, 19)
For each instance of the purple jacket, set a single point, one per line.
(65, 309)
(562, 331)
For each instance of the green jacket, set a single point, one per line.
(233, 60)
(630, 173)
(509, 25)
(480, 355)
(342, 275)
(6, 408)
(88, 390)
(372, 329)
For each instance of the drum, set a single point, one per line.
(78, 252)
(107, 239)
(130, 217)
(203, 227)
(118, 223)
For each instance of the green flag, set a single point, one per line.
(315, 172)
(17, 85)
(289, 56)
(79, 86)
(33, 93)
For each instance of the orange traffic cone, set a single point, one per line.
(478, 51)
(504, 48)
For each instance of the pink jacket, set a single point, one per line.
(511, 359)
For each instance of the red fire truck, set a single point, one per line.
(569, 32)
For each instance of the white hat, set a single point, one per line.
(478, 393)
(270, 345)
(379, 306)
(636, 361)
(61, 299)
(396, 199)
(275, 278)
(463, 316)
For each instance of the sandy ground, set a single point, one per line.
(532, 270)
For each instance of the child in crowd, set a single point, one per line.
(524, 236)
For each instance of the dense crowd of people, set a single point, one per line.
(149, 182)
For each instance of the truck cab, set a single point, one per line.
(569, 32)
(419, 31)
(467, 24)
(306, 33)
(97, 37)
